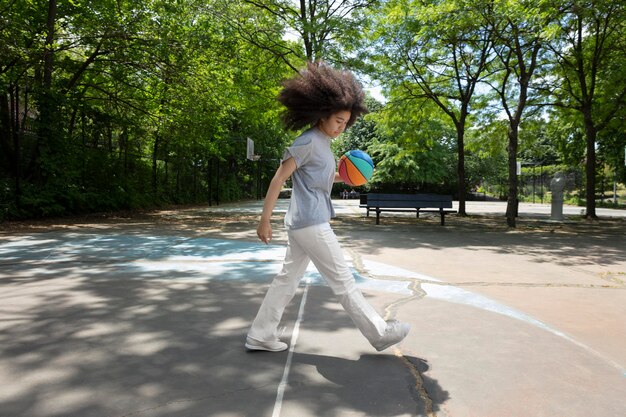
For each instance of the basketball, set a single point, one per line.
(355, 167)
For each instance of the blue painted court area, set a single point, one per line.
(170, 257)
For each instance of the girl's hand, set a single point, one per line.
(264, 231)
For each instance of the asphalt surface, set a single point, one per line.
(146, 315)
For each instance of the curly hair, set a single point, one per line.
(319, 91)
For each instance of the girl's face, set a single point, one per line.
(334, 124)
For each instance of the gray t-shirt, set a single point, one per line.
(312, 180)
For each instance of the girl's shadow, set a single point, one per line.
(377, 385)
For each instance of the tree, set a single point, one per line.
(519, 29)
(487, 158)
(322, 26)
(436, 51)
(134, 104)
(414, 150)
(591, 81)
(21, 27)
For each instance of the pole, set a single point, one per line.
(615, 187)
(209, 179)
(534, 180)
(541, 181)
(258, 180)
(217, 185)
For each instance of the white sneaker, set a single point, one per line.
(394, 333)
(272, 346)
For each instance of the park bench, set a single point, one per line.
(433, 203)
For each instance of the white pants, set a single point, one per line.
(318, 244)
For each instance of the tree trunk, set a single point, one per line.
(306, 35)
(10, 140)
(47, 104)
(48, 57)
(512, 202)
(217, 184)
(195, 179)
(155, 151)
(179, 163)
(210, 180)
(460, 132)
(6, 124)
(123, 152)
(17, 147)
(590, 167)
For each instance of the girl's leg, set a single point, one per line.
(322, 247)
(281, 291)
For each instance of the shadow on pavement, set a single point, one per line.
(565, 245)
(86, 332)
(370, 385)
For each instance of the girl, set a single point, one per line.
(328, 101)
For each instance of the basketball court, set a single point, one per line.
(146, 316)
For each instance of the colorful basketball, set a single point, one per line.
(355, 167)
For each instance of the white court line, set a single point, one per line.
(280, 392)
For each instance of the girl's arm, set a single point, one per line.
(284, 171)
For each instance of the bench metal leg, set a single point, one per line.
(377, 216)
(443, 216)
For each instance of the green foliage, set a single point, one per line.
(413, 149)
(110, 105)
(146, 104)
(537, 146)
(589, 86)
(486, 155)
(554, 71)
